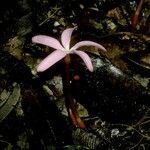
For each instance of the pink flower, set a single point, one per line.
(63, 49)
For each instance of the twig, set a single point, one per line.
(136, 144)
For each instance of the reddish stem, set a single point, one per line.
(70, 104)
(135, 18)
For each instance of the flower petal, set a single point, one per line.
(51, 60)
(66, 37)
(85, 58)
(48, 41)
(87, 43)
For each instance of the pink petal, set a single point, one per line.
(85, 58)
(48, 41)
(51, 60)
(66, 37)
(87, 43)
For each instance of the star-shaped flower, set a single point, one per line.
(63, 49)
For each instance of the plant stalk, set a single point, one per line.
(70, 103)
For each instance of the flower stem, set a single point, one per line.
(135, 17)
(70, 103)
